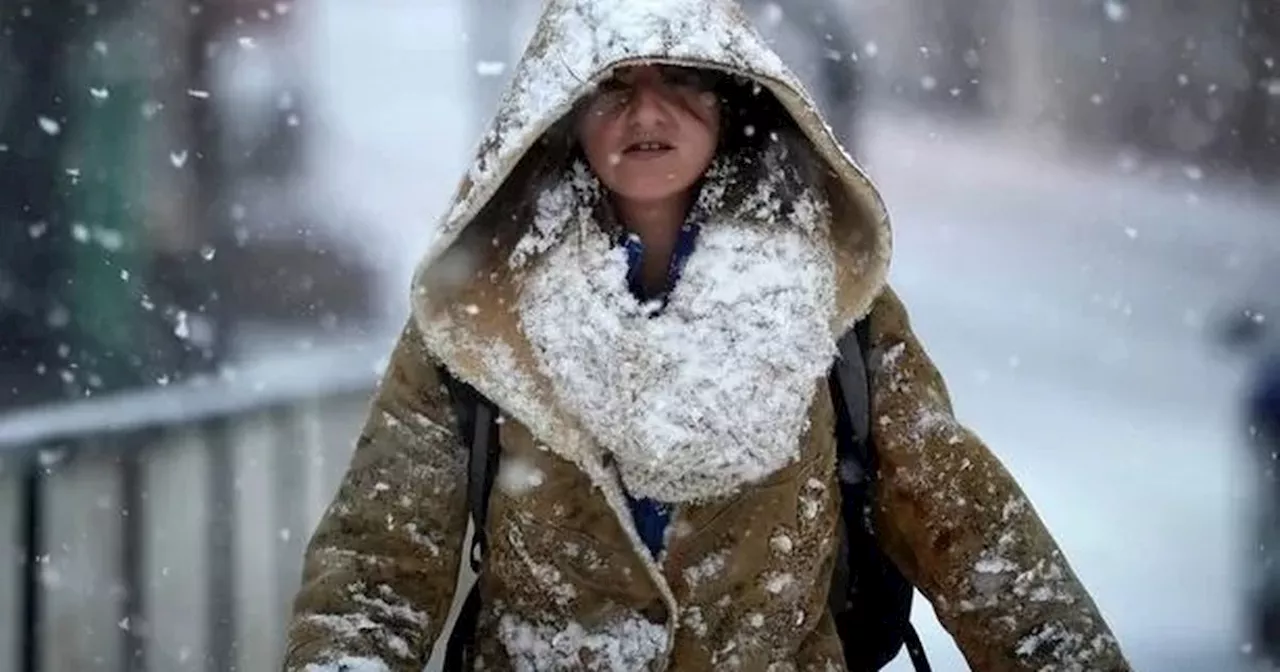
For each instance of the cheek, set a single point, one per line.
(707, 137)
(594, 136)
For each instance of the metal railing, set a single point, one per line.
(163, 529)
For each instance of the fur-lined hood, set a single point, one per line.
(465, 291)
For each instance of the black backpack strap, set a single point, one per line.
(481, 463)
(478, 426)
(856, 461)
(874, 635)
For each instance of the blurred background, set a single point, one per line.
(209, 213)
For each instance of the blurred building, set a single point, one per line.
(1182, 81)
(152, 207)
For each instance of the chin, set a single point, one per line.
(658, 188)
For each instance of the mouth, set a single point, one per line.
(647, 148)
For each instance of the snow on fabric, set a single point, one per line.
(580, 40)
(627, 644)
(575, 46)
(712, 393)
(518, 477)
(471, 280)
(358, 626)
(350, 664)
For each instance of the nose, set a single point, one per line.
(647, 105)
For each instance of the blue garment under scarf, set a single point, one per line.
(652, 517)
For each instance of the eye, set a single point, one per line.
(610, 95)
(611, 84)
(686, 78)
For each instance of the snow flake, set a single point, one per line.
(490, 68)
(1117, 11)
(181, 328)
(518, 477)
(49, 125)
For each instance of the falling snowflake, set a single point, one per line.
(181, 328)
(50, 126)
(178, 159)
(490, 68)
(1117, 11)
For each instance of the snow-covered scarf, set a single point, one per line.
(713, 392)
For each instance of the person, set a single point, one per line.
(647, 270)
(1250, 332)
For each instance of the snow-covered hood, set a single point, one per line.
(465, 294)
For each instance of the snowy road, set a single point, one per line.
(1062, 301)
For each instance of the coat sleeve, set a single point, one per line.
(380, 571)
(961, 530)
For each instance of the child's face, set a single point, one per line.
(651, 131)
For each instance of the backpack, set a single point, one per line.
(872, 635)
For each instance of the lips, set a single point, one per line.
(648, 147)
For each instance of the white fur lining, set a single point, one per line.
(713, 393)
